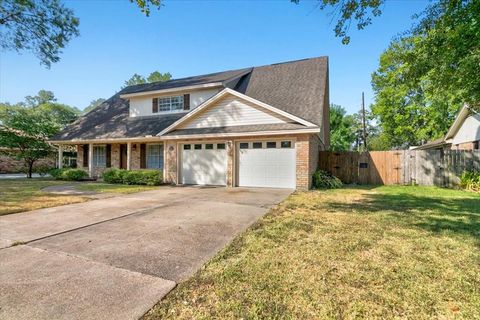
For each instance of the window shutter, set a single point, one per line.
(186, 101)
(154, 105)
(85, 155)
(143, 156)
(108, 156)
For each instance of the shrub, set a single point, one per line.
(69, 174)
(133, 177)
(470, 180)
(56, 173)
(113, 175)
(324, 180)
(42, 169)
(74, 175)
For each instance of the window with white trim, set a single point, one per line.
(170, 104)
(99, 156)
(154, 156)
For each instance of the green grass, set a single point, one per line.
(371, 252)
(18, 195)
(114, 188)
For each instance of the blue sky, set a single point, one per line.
(194, 37)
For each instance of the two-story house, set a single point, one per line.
(256, 127)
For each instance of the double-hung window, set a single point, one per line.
(99, 156)
(170, 104)
(154, 156)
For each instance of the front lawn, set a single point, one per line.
(373, 252)
(17, 195)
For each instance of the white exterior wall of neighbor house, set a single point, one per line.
(469, 131)
(233, 111)
(142, 106)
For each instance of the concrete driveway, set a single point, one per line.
(116, 257)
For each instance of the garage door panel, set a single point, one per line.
(204, 166)
(267, 167)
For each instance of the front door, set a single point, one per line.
(123, 156)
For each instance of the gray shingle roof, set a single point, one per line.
(190, 81)
(111, 120)
(297, 87)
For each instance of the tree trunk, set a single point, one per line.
(30, 169)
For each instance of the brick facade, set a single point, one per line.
(466, 146)
(115, 159)
(308, 147)
(307, 151)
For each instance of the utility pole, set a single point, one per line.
(364, 123)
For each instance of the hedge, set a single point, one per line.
(133, 177)
(69, 174)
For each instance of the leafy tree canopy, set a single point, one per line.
(26, 127)
(342, 135)
(93, 104)
(42, 97)
(360, 12)
(43, 27)
(426, 75)
(146, 5)
(155, 76)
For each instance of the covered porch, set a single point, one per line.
(97, 156)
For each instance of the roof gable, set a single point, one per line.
(230, 108)
(297, 87)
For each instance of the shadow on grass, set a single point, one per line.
(436, 212)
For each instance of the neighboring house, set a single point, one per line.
(257, 127)
(464, 134)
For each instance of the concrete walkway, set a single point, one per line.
(116, 257)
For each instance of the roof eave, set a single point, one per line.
(241, 134)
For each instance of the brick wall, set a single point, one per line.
(170, 162)
(115, 159)
(307, 159)
(464, 146)
(307, 147)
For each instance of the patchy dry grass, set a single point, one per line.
(386, 252)
(113, 188)
(18, 195)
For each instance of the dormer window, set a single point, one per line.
(171, 104)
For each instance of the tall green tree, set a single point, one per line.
(26, 127)
(93, 104)
(155, 76)
(42, 97)
(425, 76)
(24, 133)
(43, 27)
(342, 134)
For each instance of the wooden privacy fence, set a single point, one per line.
(423, 167)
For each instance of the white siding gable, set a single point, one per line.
(142, 106)
(469, 131)
(233, 111)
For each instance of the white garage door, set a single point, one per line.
(267, 164)
(204, 163)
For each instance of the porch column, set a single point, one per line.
(60, 156)
(90, 160)
(129, 154)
